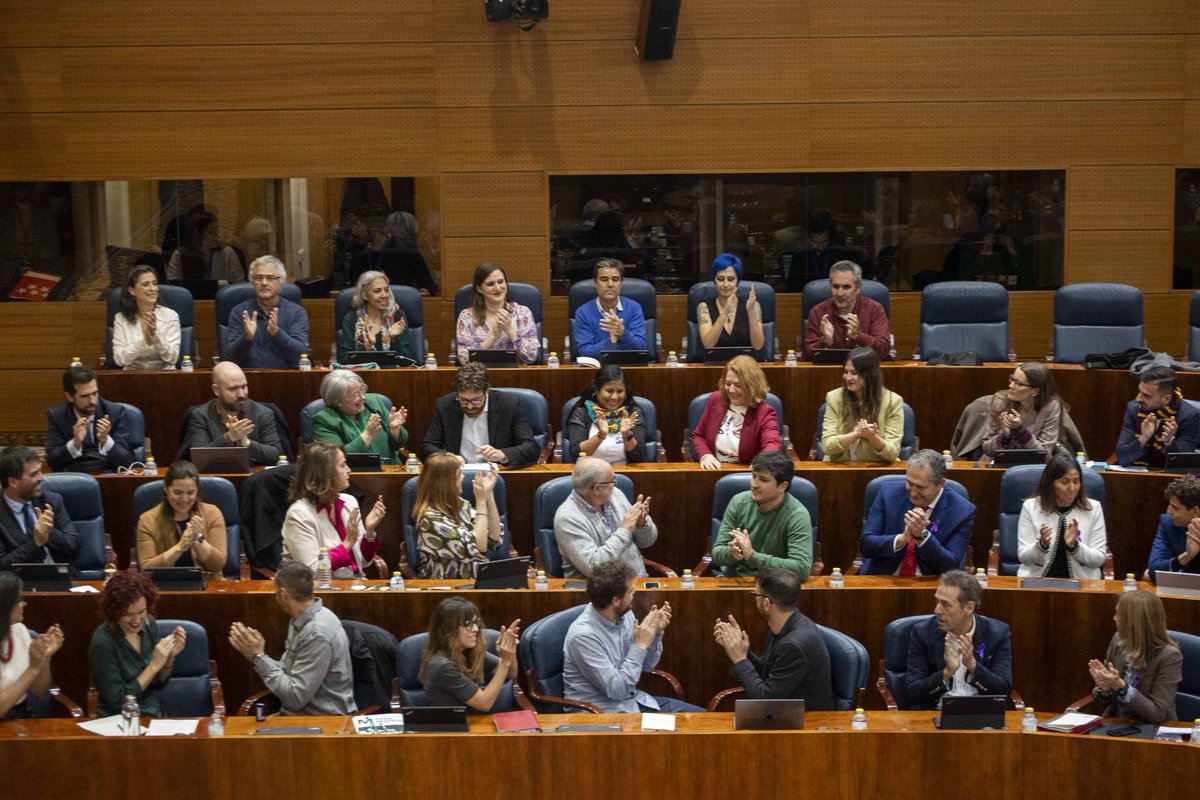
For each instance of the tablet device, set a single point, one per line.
(44, 577)
(829, 355)
(1182, 463)
(625, 358)
(768, 715)
(228, 460)
(177, 579)
(721, 355)
(435, 719)
(364, 462)
(507, 573)
(1019, 455)
(494, 358)
(972, 712)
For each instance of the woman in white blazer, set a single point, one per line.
(1061, 533)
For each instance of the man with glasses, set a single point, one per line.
(479, 424)
(267, 331)
(795, 662)
(1158, 421)
(596, 524)
(766, 526)
(314, 676)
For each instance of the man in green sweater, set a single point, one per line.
(765, 527)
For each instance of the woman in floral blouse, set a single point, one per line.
(453, 535)
(493, 322)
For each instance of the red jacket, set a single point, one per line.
(760, 431)
(872, 327)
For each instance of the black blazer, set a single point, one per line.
(926, 660)
(794, 664)
(205, 428)
(18, 548)
(60, 429)
(507, 429)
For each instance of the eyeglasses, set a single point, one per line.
(471, 623)
(604, 483)
(759, 594)
(265, 278)
(1013, 381)
(471, 401)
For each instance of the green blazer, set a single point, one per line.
(400, 345)
(331, 425)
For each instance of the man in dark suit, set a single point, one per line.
(84, 433)
(916, 527)
(795, 661)
(1158, 421)
(957, 652)
(232, 419)
(480, 425)
(34, 525)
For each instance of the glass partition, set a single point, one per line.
(1187, 229)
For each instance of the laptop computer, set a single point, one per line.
(625, 358)
(382, 358)
(1182, 463)
(972, 713)
(829, 355)
(1177, 584)
(721, 355)
(768, 715)
(235, 460)
(1019, 455)
(435, 719)
(44, 577)
(506, 573)
(364, 462)
(494, 358)
(177, 579)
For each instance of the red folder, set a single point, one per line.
(512, 721)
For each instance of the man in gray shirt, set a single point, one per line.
(597, 524)
(314, 676)
(607, 650)
(232, 419)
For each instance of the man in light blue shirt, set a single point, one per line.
(607, 650)
(609, 323)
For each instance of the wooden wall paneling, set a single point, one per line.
(1191, 134)
(1167, 321)
(495, 204)
(965, 17)
(31, 80)
(30, 23)
(1192, 21)
(1191, 65)
(1115, 198)
(1138, 257)
(525, 260)
(33, 147)
(1030, 320)
(49, 335)
(241, 144)
(981, 135)
(39, 389)
(1019, 68)
(604, 138)
(702, 71)
(181, 78)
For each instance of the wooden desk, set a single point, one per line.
(899, 756)
(1054, 632)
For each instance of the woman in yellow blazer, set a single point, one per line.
(863, 420)
(181, 531)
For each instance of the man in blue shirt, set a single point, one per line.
(267, 332)
(609, 323)
(1177, 542)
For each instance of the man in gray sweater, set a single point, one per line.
(597, 524)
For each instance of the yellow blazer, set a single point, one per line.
(891, 430)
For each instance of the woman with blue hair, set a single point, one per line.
(728, 321)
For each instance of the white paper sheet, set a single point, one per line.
(658, 722)
(105, 726)
(172, 727)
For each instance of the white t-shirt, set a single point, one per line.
(729, 435)
(19, 662)
(612, 448)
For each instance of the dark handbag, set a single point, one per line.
(1120, 360)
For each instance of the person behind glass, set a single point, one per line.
(610, 420)
(1177, 541)
(737, 423)
(376, 321)
(847, 319)
(182, 531)
(456, 667)
(1157, 421)
(202, 256)
(609, 323)
(728, 321)
(399, 235)
(322, 515)
(453, 535)
(267, 331)
(359, 421)
(24, 662)
(864, 421)
(126, 655)
(1141, 671)
(1026, 415)
(145, 334)
(492, 321)
(1061, 533)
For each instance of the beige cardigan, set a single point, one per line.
(156, 534)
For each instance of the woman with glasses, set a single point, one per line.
(606, 422)
(1027, 415)
(376, 321)
(1061, 533)
(864, 421)
(452, 534)
(357, 420)
(182, 531)
(456, 667)
(126, 655)
(24, 662)
(1140, 674)
(493, 321)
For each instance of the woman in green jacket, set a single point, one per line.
(358, 421)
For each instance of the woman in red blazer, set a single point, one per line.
(736, 424)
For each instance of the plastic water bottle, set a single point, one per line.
(981, 576)
(1196, 733)
(949, 459)
(151, 465)
(187, 365)
(282, 462)
(396, 584)
(552, 361)
(1130, 583)
(790, 359)
(1081, 460)
(305, 363)
(891, 347)
(75, 362)
(324, 570)
(687, 580)
(131, 717)
(541, 582)
(672, 359)
(836, 579)
(216, 725)
(430, 361)
(858, 722)
(1028, 721)
(412, 464)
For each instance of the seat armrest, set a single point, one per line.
(660, 451)
(1087, 701)
(1016, 701)
(723, 695)
(215, 688)
(656, 568)
(266, 695)
(666, 677)
(882, 687)
(66, 702)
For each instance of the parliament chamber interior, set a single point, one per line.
(1017, 183)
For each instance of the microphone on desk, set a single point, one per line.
(379, 341)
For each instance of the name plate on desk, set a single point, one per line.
(1050, 583)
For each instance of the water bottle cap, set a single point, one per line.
(541, 573)
(837, 569)
(304, 355)
(324, 549)
(1028, 709)
(687, 572)
(1128, 575)
(396, 574)
(858, 711)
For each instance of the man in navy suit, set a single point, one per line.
(84, 433)
(917, 527)
(34, 526)
(956, 651)
(1158, 421)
